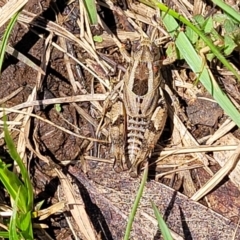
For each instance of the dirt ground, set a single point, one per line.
(108, 195)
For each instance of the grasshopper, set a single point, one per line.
(138, 115)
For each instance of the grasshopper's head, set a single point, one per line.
(145, 51)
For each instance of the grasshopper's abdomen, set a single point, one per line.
(135, 135)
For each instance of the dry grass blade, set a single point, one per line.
(179, 169)
(99, 159)
(89, 118)
(227, 126)
(9, 9)
(11, 95)
(82, 65)
(23, 59)
(58, 30)
(66, 58)
(222, 157)
(229, 165)
(15, 123)
(68, 65)
(18, 119)
(56, 208)
(194, 149)
(24, 131)
(122, 35)
(77, 208)
(51, 123)
(78, 98)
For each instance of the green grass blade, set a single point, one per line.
(228, 9)
(15, 156)
(21, 193)
(208, 41)
(12, 184)
(92, 11)
(161, 223)
(135, 205)
(6, 37)
(20, 226)
(4, 234)
(25, 224)
(14, 219)
(196, 64)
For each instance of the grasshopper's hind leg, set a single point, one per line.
(117, 135)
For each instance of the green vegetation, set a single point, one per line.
(136, 204)
(21, 193)
(161, 223)
(5, 38)
(92, 11)
(184, 43)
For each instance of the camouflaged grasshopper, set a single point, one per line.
(137, 118)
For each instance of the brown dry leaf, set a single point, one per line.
(114, 194)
